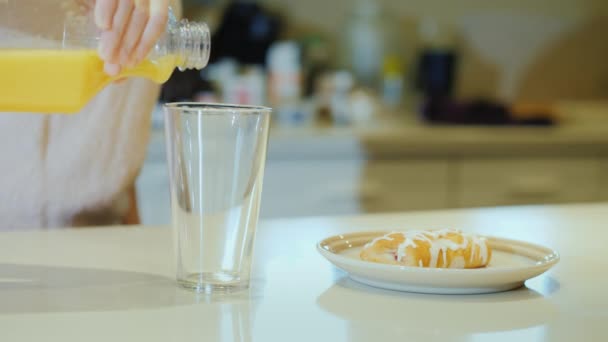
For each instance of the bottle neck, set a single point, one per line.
(190, 42)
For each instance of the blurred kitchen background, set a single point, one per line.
(396, 105)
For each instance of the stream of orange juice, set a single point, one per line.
(62, 81)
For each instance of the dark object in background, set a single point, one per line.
(435, 79)
(478, 112)
(183, 85)
(245, 33)
(435, 74)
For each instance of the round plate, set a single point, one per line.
(513, 262)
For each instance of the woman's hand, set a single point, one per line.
(130, 28)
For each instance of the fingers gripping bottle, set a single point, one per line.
(49, 61)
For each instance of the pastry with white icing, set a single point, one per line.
(445, 248)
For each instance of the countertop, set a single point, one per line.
(116, 284)
(582, 131)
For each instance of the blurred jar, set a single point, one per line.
(369, 35)
(393, 82)
(285, 81)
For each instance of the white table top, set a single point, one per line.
(116, 284)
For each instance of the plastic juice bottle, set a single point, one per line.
(59, 71)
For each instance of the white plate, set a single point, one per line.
(513, 262)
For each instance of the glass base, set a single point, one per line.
(213, 282)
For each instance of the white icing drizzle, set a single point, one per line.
(439, 245)
(380, 238)
(402, 246)
(483, 247)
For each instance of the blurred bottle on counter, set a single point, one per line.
(437, 61)
(349, 104)
(236, 84)
(285, 82)
(246, 88)
(340, 104)
(393, 81)
(315, 62)
(370, 35)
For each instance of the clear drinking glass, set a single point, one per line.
(216, 155)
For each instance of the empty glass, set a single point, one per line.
(216, 155)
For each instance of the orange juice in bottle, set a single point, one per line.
(53, 67)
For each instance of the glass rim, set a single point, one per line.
(215, 107)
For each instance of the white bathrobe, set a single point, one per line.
(55, 168)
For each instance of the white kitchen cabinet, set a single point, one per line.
(513, 181)
(346, 187)
(343, 187)
(310, 188)
(403, 185)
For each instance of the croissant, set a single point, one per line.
(445, 248)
